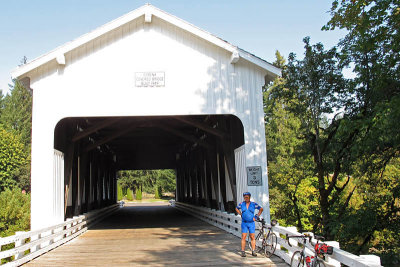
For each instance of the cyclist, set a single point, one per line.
(246, 209)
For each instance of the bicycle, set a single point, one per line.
(300, 258)
(268, 239)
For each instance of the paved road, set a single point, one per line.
(152, 235)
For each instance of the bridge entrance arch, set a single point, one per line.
(145, 66)
(200, 148)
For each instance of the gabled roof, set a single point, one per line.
(147, 10)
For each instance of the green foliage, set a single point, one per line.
(12, 158)
(148, 180)
(158, 192)
(307, 148)
(166, 181)
(372, 46)
(15, 118)
(1, 102)
(129, 195)
(16, 115)
(120, 194)
(334, 144)
(288, 166)
(138, 194)
(280, 61)
(14, 212)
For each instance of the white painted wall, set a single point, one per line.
(98, 80)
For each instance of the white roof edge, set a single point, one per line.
(21, 70)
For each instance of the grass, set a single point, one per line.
(144, 200)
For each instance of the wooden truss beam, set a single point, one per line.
(186, 136)
(94, 128)
(203, 126)
(109, 138)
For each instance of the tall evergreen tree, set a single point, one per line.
(16, 112)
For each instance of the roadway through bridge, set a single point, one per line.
(153, 234)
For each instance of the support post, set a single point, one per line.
(20, 242)
(222, 178)
(212, 162)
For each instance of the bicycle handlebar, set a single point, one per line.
(305, 237)
(288, 240)
(262, 221)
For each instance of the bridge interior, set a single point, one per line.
(152, 235)
(200, 148)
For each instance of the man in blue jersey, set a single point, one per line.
(246, 209)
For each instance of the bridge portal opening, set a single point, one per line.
(89, 151)
(146, 185)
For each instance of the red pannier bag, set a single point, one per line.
(322, 248)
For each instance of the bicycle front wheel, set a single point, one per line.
(297, 260)
(270, 245)
(319, 263)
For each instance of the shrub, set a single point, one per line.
(158, 192)
(12, 157)
(14, 212)
(120, 194)
(138, 194)
(129, 195)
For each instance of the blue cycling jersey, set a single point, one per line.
(248, 213)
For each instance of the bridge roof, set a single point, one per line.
(148, 11)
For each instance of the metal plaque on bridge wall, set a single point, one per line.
(254, 177)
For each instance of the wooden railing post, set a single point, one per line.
(330, 260)
(34, 238)
(18, 243)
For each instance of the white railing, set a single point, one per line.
(231, 223)
(29, 245)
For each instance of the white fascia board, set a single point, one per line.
(149, 10)
(193, 29)
(259, 62)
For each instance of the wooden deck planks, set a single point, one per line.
(152, 235)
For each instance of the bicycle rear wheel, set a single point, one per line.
(297, 260)
(269, 244)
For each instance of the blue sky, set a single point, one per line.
(32, 28)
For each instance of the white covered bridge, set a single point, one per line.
(145, 91)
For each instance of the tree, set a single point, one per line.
(158, 192)
(318, 95)
(16, 112)
(147, 180)
(138, 194)
(14, 212)
(129, 194)
(120, 194)
(15, 117)
(288, 165)
(372, 46)
(12, 157)
(166, 181)
(1, 102)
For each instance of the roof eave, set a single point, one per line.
(146, 9)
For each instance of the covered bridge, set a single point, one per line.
(145, 91)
